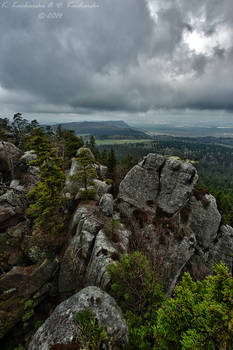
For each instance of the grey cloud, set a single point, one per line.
(114, 58)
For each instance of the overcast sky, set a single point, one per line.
(137, 60)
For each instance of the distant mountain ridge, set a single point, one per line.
(104, 129)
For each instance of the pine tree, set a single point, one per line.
(40, 143)
(85, 173)
(111, 163)
(46, 206)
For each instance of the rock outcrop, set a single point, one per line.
(12, 206)
(91, 250)
(165, 182)
(15, 165)
(73, 188)
(204, 219)
(106, 204)
(159, 211)
(77, 255)
(9, 158)
(179, 227)
(20, 284)
(60, 327)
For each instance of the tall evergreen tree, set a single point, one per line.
(46, 206)
(85, 172)
(111, 163)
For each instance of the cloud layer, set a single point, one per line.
(121, 56)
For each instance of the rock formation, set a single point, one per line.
(180, 228)
(60, 327)
(159, 211)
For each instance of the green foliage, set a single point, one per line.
(72, 143)
(85, 173)
(38, 323)
(138, 295)
(20, 347)
(46, 208)
(92, 145)
(5, 129)
(90, 335)
(86, 195)
(21, 128)
(111, 163)
(28, 311)
(40, 143)
(202, 313)
(224, 203)
(109, 181)
(28, 304)
(111, 230)
(225, 206)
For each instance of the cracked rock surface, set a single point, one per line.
(61, 328)
(163, 181)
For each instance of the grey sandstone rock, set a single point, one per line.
(14, 183)
(69, 183)
(177, 181)
(74, 263)
(106, 204)
(204, 220)
(28, 156)
(61, 328)
(169, 252)
(139, 186)
(12, 206)
(101, 187)
(222, 249)
(102, 255)
(102, 171)
(9, 157)
(165, 182)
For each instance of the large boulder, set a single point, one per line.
(204, 219)
(29, 174)
(221, 250)
(165, 182)
(61, 328)
(9, 158)
(106, 204)
(12, 206)
(203, 261)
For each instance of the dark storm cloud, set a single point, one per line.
(115, 57)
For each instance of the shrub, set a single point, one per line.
(202, 313)
(88, 194)
(111, 230)
(90, 335)
(138, 295)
